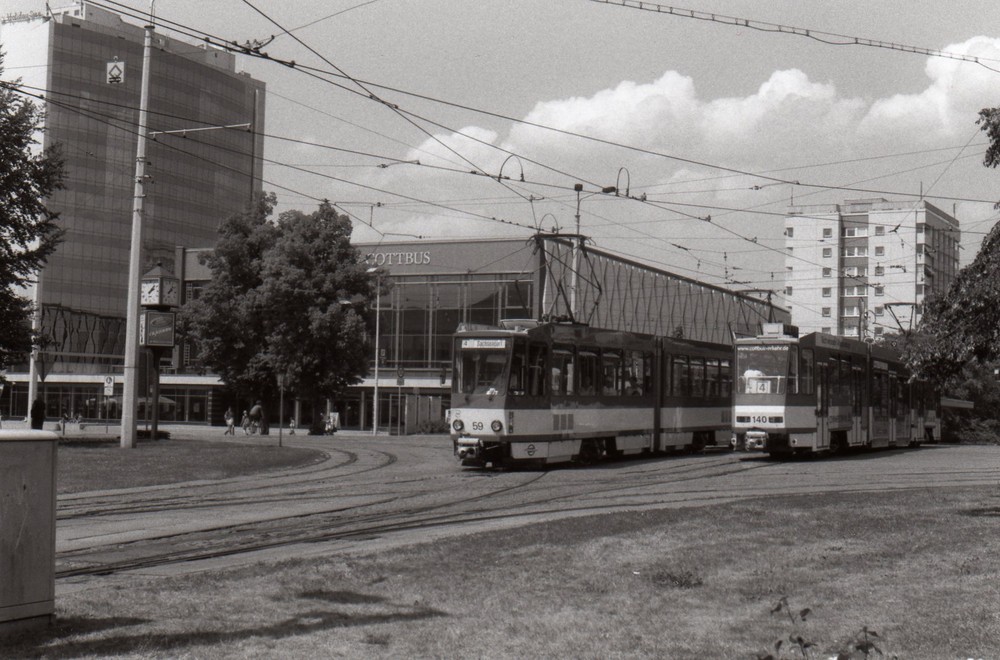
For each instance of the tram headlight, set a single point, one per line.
(497, 426)
(458, 425)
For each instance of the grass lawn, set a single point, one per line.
(96, 465)
(920, 568)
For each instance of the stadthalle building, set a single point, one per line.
(87, 63)
(437, 285)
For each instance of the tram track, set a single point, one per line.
(276, 487)
(398, 503)
(228, 540)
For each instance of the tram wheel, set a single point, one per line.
(590, 452)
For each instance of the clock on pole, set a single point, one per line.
(159, 289)
(159, 294)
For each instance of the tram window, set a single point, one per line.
(858, 378)
(647, 373)
(562, 371)
(833, 372)
(904, 396)
(725, 379)
(637, 376)
(880, 393)
(892, 395)
(458, 370)
(681, 384)
(846, 382)
(762, 369)
(698, 377)
(483, 372)
(518, 370)
(536, 370)
(793, 370)
(712, 377)
(611, 373)
(589, 374)
(806, 371)
(836, 384)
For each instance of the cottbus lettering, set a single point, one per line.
(400, 258)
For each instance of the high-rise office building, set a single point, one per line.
(866, 267)
(87, 63)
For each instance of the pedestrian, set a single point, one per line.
(38, 413)
(256, 416)
(230, 422)
(245, 423)
(291, 426)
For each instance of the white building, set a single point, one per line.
(865, 268)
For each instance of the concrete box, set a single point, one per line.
(27, 529)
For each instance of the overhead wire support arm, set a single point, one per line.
(185, 131)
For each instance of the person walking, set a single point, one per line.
(245, 422)
(256, 417)
(230, 422)
(38, 414)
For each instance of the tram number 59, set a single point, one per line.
(477, 426)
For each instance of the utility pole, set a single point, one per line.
(131, 381)
(575, 276)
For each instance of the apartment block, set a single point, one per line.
(865, 268)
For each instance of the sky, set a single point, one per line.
(420, 118)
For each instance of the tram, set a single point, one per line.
(822, 393)
(532, 393)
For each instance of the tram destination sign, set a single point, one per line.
(472, 344)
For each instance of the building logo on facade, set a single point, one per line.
(399, 258)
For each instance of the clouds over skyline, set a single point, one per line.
(789, 121)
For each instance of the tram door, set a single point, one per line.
(822, 404)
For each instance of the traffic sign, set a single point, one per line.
(109, 385)
(116, 72)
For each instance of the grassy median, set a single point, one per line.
(915, 574)
(101, 464)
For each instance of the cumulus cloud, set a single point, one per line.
(789, 119)
(472, 142)
(947, 107)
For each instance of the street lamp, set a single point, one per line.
(378, 317)
(578, 245)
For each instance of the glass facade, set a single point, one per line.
(88, 403)
(420, 314)
(195, 181)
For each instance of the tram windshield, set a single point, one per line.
(762, 369)
(482, 366)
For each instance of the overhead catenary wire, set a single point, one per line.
(233, 46)
(526, 227)
(745, 173)
(828, 38)
(513, 119)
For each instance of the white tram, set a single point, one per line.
(823, 393)
(532, 393)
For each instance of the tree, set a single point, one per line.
(965, 323)
(28, 230)
(287, 299)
